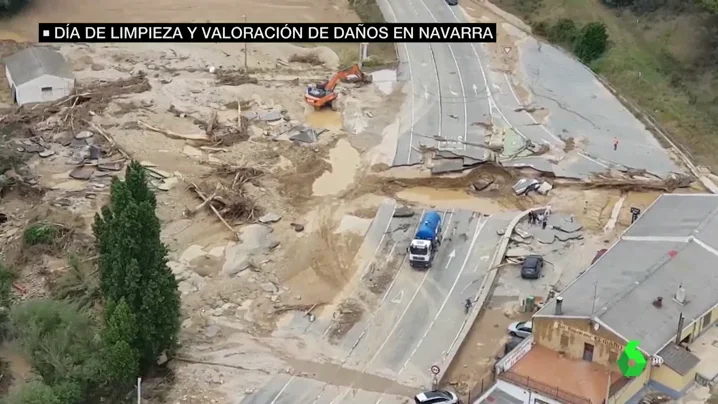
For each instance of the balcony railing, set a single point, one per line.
(550, 391)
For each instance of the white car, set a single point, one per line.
(521, 329)
(437, 397)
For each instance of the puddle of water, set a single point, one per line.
(345, 162)
(384, 80)
(326, 119)
(450, 199)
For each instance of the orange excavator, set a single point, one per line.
(322, 94)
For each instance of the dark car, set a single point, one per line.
(452, 2)
(437, 397)
(532, 267)
(512, 343)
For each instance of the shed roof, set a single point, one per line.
(33, 62)
(678, 359)
(674, 242)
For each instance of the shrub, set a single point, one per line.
(591, 42)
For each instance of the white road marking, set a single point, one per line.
(476, 298)
(340, 398)
(513, 93)
(413, 87)
(398, 297)
(451, 257)
(461, 79)
(282, 390)
(381, 304)
(366, 269)
(479, 227)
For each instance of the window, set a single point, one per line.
(612, 356)
(538, 401)
(46, 89)
(564, 341)
(707, 320)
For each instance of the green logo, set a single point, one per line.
(631, 362)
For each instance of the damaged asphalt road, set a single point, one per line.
(453, 94)
(417, 318)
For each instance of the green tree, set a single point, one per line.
(591, 42)
(563, 32)
(61, 342)
(6, 279)
(121, 359)
(33, 392)
(133, 265)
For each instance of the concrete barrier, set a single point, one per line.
(485, 289)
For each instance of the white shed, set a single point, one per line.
(38, 75)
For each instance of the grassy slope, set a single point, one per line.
(381, 55)
(654, 46)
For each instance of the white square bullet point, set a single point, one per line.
(46, 32)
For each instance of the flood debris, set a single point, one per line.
(403, 211)
(270, 218)
(525, 185)
(71, 112)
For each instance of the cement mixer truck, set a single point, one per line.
(427, 239)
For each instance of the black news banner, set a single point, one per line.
(268, 32)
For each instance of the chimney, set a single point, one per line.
(681, 294)
(559, 304)
(680, 329)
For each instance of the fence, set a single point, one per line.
(552, 392)
(481, 387)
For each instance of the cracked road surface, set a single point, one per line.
(470, 92)
(415, 320)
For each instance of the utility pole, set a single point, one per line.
(139, 390)
(246, 69)
(361, 54)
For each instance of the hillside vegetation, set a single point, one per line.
(662, 55)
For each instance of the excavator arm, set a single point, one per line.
(324, 93)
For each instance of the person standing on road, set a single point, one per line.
(615, 143)
(544, 222)
(547, 213)
(532, 217)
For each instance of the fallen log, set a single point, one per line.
(110, 140)
(196, 189)
(173, 135)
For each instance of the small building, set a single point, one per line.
(38, 74)
(656, 285)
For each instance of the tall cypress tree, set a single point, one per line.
(133, 266)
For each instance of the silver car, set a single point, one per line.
(521, 329)
(437, 397)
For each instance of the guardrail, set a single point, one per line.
(535, 385)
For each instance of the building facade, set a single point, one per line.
(656, 285)
(38, 75)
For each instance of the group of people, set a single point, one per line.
(540, 218)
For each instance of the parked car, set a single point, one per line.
(532, 267)
(452, 2)
(511, 344)
(437, 397)
(521, 329)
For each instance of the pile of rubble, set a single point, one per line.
(559, 227)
